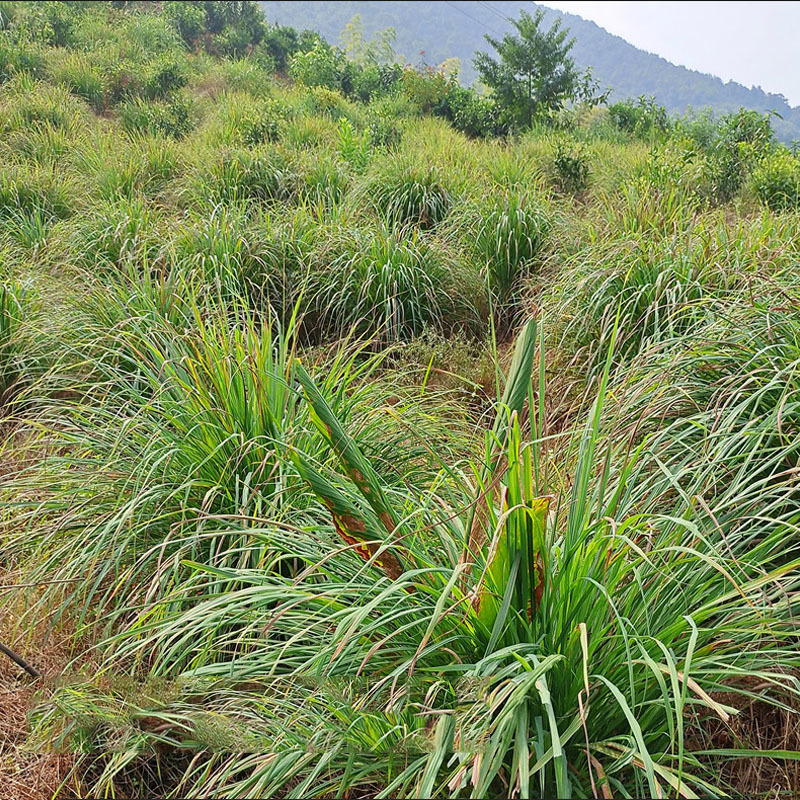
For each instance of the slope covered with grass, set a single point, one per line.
(347, 455)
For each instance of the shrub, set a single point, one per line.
(743, 138)
(407, 194)
(472, 114)
(427, 88)
(188, 19)
(322, 66)
(163, 76)
(776, 181)
(643, 117)
(353, 148)
(281, 42)
(372, 81)
(386, 120)
(570, 169)
(53, 24)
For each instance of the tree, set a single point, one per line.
(535, 73)
(323, 65)
(373, 52)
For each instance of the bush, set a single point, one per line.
(474, 115)
(776, 181)
(53, 24)
(643, 117)
(322, 66)
(371, 81)
(188, 19)
(163, 76)
(386, 120)
(570, 169)
(281, 42)
(427, 88)
(354, 148)
(743, 138)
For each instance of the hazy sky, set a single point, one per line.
(754, 43)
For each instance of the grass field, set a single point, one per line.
(344, 455)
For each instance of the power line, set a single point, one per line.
(469, 16)
(494, 11)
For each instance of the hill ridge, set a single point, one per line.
(445, 29)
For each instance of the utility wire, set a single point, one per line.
(494, 11)
(469, 16)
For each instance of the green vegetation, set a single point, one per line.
(535, 74)
(441, 30)
(361, 440)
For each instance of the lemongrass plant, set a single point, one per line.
(510, 631)
(171, 424)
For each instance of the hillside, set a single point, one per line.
(441, 30)
(348, 454)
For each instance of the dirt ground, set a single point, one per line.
(24, 773)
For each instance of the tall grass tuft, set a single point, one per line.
(406, 194)
(261, 175)
(389, 283)
(14, 299)
(509, 235)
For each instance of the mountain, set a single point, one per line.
(434, 31)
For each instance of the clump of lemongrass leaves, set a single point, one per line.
(501, 631)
